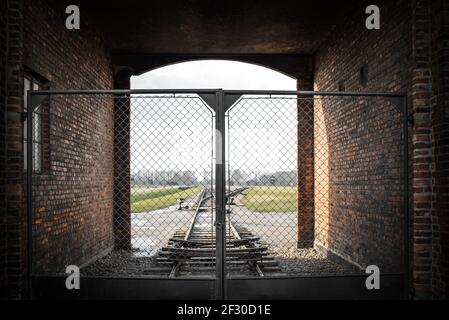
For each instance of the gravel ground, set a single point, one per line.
(291, 261)
(309, 262)
(121, 263)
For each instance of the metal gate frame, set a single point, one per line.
(220, 101)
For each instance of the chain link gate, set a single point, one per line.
(229, 186)
(318, 185)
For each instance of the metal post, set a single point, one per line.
(220, 220)
(29, 189)
(406, 201)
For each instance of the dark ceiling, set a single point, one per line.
(213, 26)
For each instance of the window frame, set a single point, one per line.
(32, 83)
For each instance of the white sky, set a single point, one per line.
(214, 74)
(175, 133)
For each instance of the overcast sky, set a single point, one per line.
(171, 133)
(213, 74)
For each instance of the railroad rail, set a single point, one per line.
(193, 251)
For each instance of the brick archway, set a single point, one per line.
(323, 45)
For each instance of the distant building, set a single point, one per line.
(280, 178)
(238, 177)
(174, 178)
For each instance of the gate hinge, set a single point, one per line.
(410, 119)
(23, 116)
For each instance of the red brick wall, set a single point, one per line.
(305, 160)
(13, 208)
(74, 193)
(3, 68)
(431, 149)
(409, 54)
(422, 157)
(122, 162)
(440, 124)
(358, 142)
(73, 196)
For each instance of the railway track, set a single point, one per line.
(192, 251)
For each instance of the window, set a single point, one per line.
(30, 83)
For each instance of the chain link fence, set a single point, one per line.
(320, 183)
(127, 182)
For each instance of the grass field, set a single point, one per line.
(145, 199)
(270, 199)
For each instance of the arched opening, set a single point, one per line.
(172, 157)
(213, 74)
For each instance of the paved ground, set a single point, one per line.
(152, 230)
(279, 231)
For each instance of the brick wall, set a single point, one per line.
(358, 146)
(74, 193)
(422, 156)
(305, 160)
(12, 169)
(122, 162)
(3, 68)
(440, 124)
(431, 149)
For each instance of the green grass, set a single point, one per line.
(139, 193)
(145, 199)
(271, 199)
